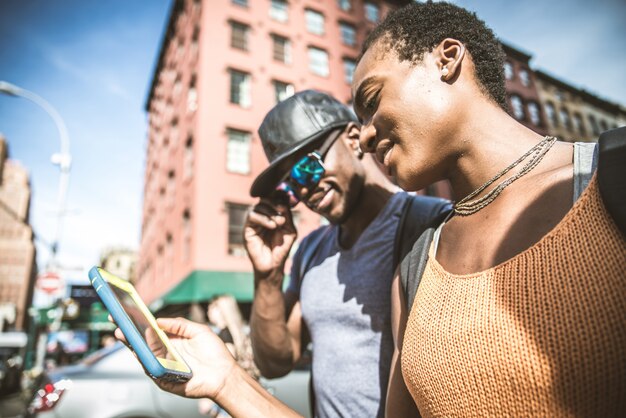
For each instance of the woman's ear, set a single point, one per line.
(353, 132)
(450, 54)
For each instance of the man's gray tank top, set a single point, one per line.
(345, 299)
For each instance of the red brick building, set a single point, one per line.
(17, 249)
(223, 65)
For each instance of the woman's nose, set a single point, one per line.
(367, 138)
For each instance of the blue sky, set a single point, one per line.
(93, 61)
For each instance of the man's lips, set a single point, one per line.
(383, 151)
(317, 196)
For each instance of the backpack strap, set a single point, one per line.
(413, 264)
(418, 215)
(612, 174)
(418, 212)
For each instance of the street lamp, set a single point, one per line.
(63, 159)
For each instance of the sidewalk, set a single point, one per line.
(14, 405)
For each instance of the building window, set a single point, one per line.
(578, 124)
(178, 85)
(186, 234)
(239, 35)
(281, 49)
(279, 10)
(348, 34)
(314, 22)
(192, 96)
(508, 70)
(524, 77)
(594, 125)
(171, 187)
(345, 5)
(282, 90)
(559, 95)
(238, 152)
(348, 68)
(194, 42)
(551, 113)
(240, 88)
(242, 3)
(567, 121)
(236, 220)
(533, 113)
(372, 11)
(604, 125)
(517, 107)
(318, 61)
(174, 131)
(169, 254)
(188, 159)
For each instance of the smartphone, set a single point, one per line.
(154, 350)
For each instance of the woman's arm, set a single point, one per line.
(399, 401)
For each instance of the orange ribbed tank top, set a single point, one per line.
(542, 334)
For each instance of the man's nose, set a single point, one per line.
(367, 138)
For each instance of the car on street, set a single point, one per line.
(112, 384)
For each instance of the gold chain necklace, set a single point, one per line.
(466, 207)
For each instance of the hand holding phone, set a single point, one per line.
(269, 234)
(151, 345)
(204, 351)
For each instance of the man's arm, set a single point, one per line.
(275, 321)
(275, 329)
(399, 401)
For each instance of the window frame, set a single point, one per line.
(312, 60)
(343, 26)
(312, 20)
(276, 13)
(242, 29)
(286, 48)
(233, 155)
(236, 212)
(370, 6)
(245, 87)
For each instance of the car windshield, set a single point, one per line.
(96, 356)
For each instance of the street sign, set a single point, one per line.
(49, 282)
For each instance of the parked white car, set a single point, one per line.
(111, 384)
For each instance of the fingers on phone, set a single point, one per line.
(120, 336)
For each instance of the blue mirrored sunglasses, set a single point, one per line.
(307, 172)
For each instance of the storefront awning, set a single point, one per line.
(202, 285)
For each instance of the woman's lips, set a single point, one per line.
(387, 156)
(383, 152)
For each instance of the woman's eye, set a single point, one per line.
(370, 102)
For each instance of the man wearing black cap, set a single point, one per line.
(340, 283)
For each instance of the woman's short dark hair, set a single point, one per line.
(418, 28)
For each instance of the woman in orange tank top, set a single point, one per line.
(520, 310)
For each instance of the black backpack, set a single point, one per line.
(419, 218)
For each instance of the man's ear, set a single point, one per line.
(450, 54)
(353, 132)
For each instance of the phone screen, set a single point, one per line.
(141, 323)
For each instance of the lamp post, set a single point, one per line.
(63, 159)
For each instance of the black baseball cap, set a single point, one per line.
(293, 124)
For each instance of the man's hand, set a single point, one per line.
(269, 234)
